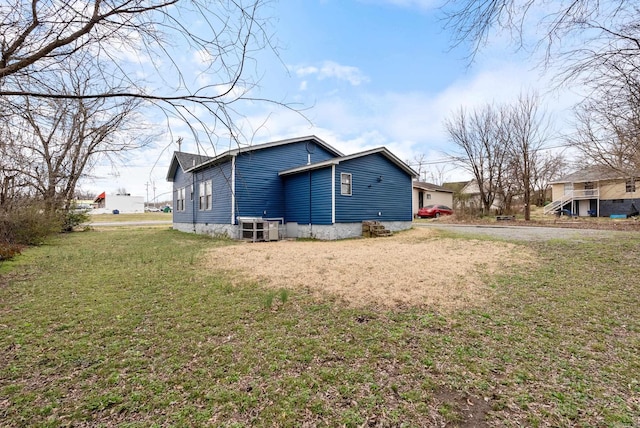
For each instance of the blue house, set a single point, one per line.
(299, 187)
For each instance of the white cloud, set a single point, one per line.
(333, 70)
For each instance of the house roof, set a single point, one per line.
(185, 161)
(100, 197)
(595, 173)
(456, 186)
(430, 187)
(191, 162)
(334, 161)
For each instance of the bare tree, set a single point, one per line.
(594, 43)
(608, 124)
(54, 142)
(584, 32)
(547, 167)
(501, 146)
(437, 174)
(419, 161)
(39, 40)
(527, 131)
(478, 135)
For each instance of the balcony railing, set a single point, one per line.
(570, 196)
(585, 194)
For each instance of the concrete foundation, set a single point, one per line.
(292, 230)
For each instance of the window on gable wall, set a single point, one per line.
(345, 184)
(205, 195)
(180, 199)
(630, 185)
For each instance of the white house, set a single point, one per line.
(427, 194)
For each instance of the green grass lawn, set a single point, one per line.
(147, 216)
(125, 328)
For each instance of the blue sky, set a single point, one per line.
(370, 73)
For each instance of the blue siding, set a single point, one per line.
(259, 189)
(220, 213)
(390, 197)
(297, 197)
(181, 179)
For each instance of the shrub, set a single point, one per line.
(28, 224)
(74, 218)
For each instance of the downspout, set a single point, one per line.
(193, 202)
(333, 194)
(310, 207)
(233, 190)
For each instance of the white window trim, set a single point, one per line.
(350, 184)
(206, 195)
(180, 201)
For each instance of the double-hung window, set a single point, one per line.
(345, 184)
(180, 199)
(205, 195)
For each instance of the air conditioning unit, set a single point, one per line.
(273, 232)
(258, 229)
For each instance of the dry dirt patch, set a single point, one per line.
(414, 268)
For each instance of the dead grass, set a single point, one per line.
(413, 268)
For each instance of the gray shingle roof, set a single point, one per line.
(595, 173)
(430, 186)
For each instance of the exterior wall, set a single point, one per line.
(371, 199)
(557, 191)
(616, 189)
(341, 230)
(124, 203)
(215, 230)
(299, 189)
(619, 206)
(259, 189)
(614, 199)
(441, 198)
(220, 212)
(183, 180)
(322, 232)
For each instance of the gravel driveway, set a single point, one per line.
(527, 233)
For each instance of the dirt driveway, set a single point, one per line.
(412, 268)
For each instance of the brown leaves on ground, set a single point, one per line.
(412, 268)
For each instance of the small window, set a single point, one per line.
(345, 184)
(630, 185)
(205, 195)
(180, 199)
(428, 195)
(191, 193)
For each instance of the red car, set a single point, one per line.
(434, 211)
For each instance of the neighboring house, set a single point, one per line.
(303, 185)
(427, 194)
(104, 203)
(466, 196)
(596, 191)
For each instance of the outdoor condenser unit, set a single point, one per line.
(258, 229)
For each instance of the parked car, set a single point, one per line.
(434, 211)
(152, 209)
